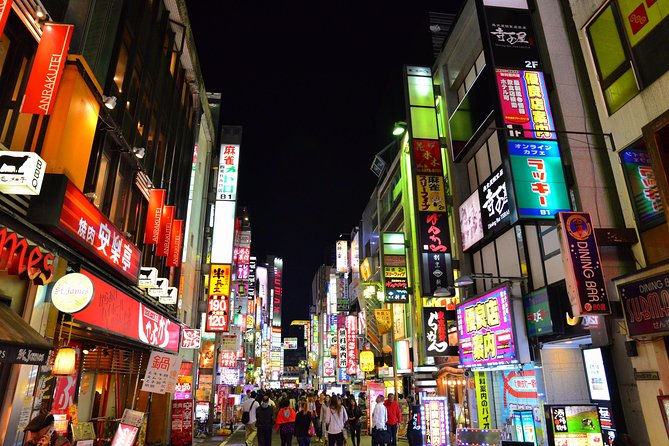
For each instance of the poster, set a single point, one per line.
(161, 373)
(574, 425)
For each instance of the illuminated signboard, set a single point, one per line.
(67, 212)
(512, 38)
(355, 254)
(276, 287)
(434, 418)
(228, 168)
(485, 329)
(176, 244)
(471, 226)
(218, 306)
(595, 371)
(394, 267)
(342, 256)
(351, 345)
(290, 343)
(541, 190)
(165, 236)
(643, 188)
(430, 192)
(525, 104)
(154, 215)
(21, 173)
(5, 9)
(191, 338)
(342, 349)
(574, 425)
(646, 305)
(538, 316)
(223, 233)
(47, 69)
(440, 327)
(582, 265)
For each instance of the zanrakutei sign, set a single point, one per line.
(21, 173)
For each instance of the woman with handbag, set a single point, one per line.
(285, 422)
(336, 422)
(304, 424)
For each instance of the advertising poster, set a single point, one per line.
(483, 400)
(583, 270)
(181, 431)
(538, 313)
(574, 425)
(646, 305)
(373, 390)
(161, 373)
(435, 424)
(485, 329)
(184, 388)
(471, 225)
(596, 374)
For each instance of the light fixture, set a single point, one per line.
(467, 280)
(139, 152)
(65, 362)
(109, 101)
(399, 128)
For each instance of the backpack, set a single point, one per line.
(246, 415)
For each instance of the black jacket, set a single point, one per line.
(264, 417)
(302, 422)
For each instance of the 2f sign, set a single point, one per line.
(532, 64)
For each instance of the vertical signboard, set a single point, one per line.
(394, 262)
(166, 223)
(228, 166)
(47, 68)
(342, 256)
(351, 345)
(429, 188)
(276, 288)
(218, 306)
(435, 421)
(176, 243)
(440, 327)
(582, 265)
(181, 432)
(646, 305)
(154, 215)
(483, 400)
(342, 351)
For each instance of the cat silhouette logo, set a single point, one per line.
(21, 173)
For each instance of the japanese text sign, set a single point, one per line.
(582, 265)
(342, 356)
(471, 225)
(47, 68)
(483, 400)
(165, 237)
(227, 359)
(161, 373)
(485, 329)
(154, 215)
(342, 256)
(67, 212)
(228, 168)
(541, 190)
(184, 387)
(351, 345)
(498, 209)
(434, 418)
(427, 156)
(118, 313)
(176, 243)
(646, 305)
(580, 424)
(181, 431)
(525, 106)
(394, 268)
(430, 192)
(383, 320)
(437, 323)
(644, 190)
(511, 38)
(190, 338)
(218, 306)
(125, 435)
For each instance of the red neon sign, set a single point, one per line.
(154, 215)
(20, 259)
(176, 243)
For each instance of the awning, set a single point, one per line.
(19, 342)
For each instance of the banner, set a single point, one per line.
(154, 215)
(161, 373)
(483, 400)
(176, 243)
(383, 321)
(582, 265)
(47, 69)
(181, 431)
(166, 223)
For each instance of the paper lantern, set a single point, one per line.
(366, 361)
(65, 362)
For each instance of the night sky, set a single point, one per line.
(317, 89)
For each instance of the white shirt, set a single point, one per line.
(380, 416)
(250, 406)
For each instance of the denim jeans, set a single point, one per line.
(303, 441)
(392, 430)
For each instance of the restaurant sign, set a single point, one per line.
(437, 322)
(21, 173)
(395, 268)
(646, 305)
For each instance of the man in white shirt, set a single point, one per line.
(379, 420)
(250, 405)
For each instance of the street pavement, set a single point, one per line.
(237, 439)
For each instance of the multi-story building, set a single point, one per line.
(102, 105)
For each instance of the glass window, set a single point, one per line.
(121, 196)
(102, 180)
(121, 66)
(620, 91)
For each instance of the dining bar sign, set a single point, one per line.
(646, 305)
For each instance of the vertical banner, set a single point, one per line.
(394, 261)
(483, 400)
(181, 432)
(154, 215)
(47, 68)
(351, 345)
(5, 9)
(166, 223)
(176, 243)
(342, 358)
(582, 265)
(383, 320)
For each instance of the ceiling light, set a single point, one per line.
(109, 101)
(139, 152)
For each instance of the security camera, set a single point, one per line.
(468, 373)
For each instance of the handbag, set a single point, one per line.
(312, 430)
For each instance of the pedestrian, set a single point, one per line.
(325, 412)
(379, 423)
(264, 422)
(394, 418)
(336, 422)
(354, 424)
(249, 408)
(40, 430)
(304, 424)
(414, 429)
(285, 422)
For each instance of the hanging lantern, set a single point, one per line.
(366, 361)
(65, 362)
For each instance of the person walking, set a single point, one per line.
(379, 423)
(304, 423)
(285, 422)
(336, 421)
(394, 418)
(325, 412)
(264, 422)
(414, 428)
(354, 424)
(249, 418)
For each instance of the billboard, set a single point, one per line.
(218, 305)
(646, 305)
(228, 169)
(485, 330)
(223, 233)
(574, 425)
(342, 256)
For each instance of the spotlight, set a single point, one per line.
(109, 101)
(139, 152)
(399, 128)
